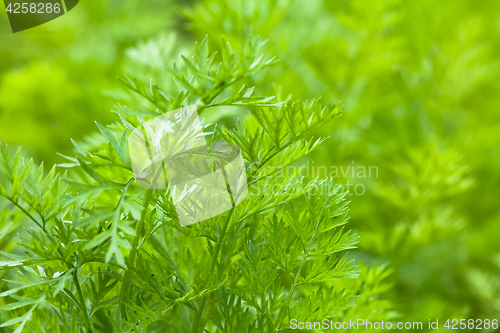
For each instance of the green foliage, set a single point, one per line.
(418, 80)
(104, 255)
(57, 78)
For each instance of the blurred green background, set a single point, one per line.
(421, 94)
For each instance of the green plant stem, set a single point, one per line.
(133, 252)
(21, 208)
(289, 297)
(83, 307)
(281, 315)
(201, 308)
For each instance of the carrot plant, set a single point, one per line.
(101, 254)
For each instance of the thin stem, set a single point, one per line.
(133, 252)
(39, 225)
(83, 308)
(26, 213)
(289, 297)
(201, 308)
(297, 276)
(219, 88)
(86, 319)
(272, 153)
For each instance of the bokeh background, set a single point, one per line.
(419, 82)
